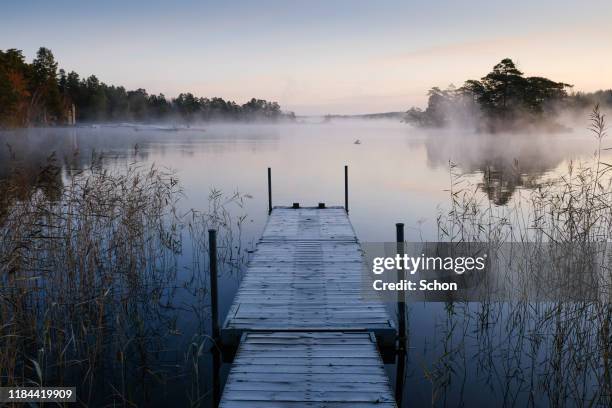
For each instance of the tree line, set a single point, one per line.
(37, 93)
(502, 99)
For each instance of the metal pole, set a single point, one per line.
(212, 251)
(401, 308)
(401, 300)
(399, 376)
(216, 355)
(399, 232)
(346, 188)
(269, 190)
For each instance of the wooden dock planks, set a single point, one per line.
(307, 369)
(305, 336)
(306, 276)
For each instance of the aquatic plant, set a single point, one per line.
(93, 282)
(553, 353)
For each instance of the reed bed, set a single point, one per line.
(530, 353)
(94, 285)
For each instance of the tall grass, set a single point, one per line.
(553, 353)
(93, 281)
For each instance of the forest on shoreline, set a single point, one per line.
(504, 99)
(38, 94)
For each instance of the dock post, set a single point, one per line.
(212, 252)
(269, 190)
(401, 296)
(400, 375)
(216, 381)
(214, 311)
(401, 317)
(346, 189)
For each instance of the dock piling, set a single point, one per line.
(214, 311)
(346, 207)
(401, 300)
(269, 190)
(401, 317)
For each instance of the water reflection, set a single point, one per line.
(500, 181)
(103, 286)
(397, 174)
(20, 179)
(505, 162)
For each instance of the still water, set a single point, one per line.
(396, 174)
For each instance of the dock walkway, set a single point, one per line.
(305, 336)
(306, 369)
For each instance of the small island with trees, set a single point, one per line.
(504, 99)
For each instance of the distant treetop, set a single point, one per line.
(38, 94)
(504, 98)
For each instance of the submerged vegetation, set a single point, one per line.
(553, 353)
(37, 94)
(503, 99)
(94, 291)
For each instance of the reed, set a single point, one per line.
(94, 281)
(548, 353)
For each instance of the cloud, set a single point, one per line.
(570, 55)
(467, 48)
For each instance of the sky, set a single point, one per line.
(315, 57)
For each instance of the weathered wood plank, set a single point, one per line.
(312, 374)
(306, 275)
(368, 377)
(305, 328)
(308, 224)
(293, 404)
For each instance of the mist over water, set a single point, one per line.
(397, 173)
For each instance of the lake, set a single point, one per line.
(396, 174)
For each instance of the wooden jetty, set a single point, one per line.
(305, 336)
(306, 275)
(307, 369)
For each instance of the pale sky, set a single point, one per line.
(315, 57)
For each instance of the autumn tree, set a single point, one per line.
(39, 94)
(14, 89)
(45, 96)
